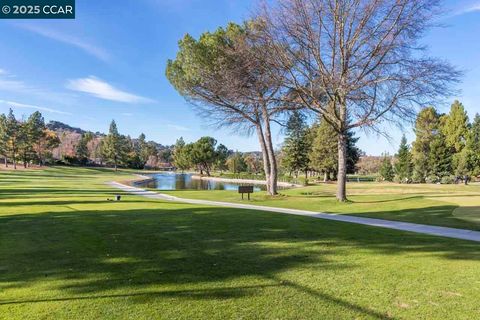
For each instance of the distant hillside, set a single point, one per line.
(70, 137)
(60, 126)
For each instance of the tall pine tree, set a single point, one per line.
(112, 145)
(403, 166)
(386, 170)
(427, 126)
(297, 145)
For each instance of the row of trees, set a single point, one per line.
(26, 140)
(120, 150)
(353, 63)
(205, 155)
(30, 141)
(446, 148)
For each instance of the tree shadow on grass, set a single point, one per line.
(91, 253)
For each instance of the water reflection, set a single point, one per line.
(184, 181)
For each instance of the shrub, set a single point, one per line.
(447, 180)
(432, 179)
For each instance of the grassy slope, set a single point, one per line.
(66, 253)
(456, 206)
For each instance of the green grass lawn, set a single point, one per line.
(456, 206)
(67, 253)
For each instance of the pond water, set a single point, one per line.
(184, 181)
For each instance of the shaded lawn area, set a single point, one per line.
(73, 255)
(456, 206)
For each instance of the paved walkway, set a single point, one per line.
(397, 225)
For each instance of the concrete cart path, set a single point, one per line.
(389, 224)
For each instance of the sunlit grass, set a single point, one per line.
(68, 253)
(418, 203)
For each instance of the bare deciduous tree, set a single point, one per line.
(355, 62)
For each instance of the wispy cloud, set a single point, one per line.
(103, 90)
(10, 83)
(29, 106)
(87, 47)
(127, 114)
(177, 127)
(472, 7)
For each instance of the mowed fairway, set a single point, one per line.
(456, 206)
(67, 253)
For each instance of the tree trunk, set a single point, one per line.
(325, 176)
(6, 162)
(266, 159)
(14, 157)
(342, 167)
(271, 152)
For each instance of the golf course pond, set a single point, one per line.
(185, 181)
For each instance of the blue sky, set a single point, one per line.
(109, 63)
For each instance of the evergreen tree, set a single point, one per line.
(427, 126)
(386, 170)
(13, 137)
(455, 127)
(403, 166)
(469, 158)
(222, 156)
(353, 153)
(112, 146)
(181, 158)
(204, 154)
(144, 150)
(31, 131)
(4, 139)
(82, 151)
(439, 158)
(323, 156)
(297, 145)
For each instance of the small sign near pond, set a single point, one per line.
(245, 189)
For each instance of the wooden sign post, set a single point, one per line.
(245, 189)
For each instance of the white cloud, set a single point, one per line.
(103, 90)
(469, 8)
(89, 48)
(13, 85)
(9, 83)
(127, 114)
(177, 127)
(29, 106)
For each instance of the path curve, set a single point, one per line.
(388, 224)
